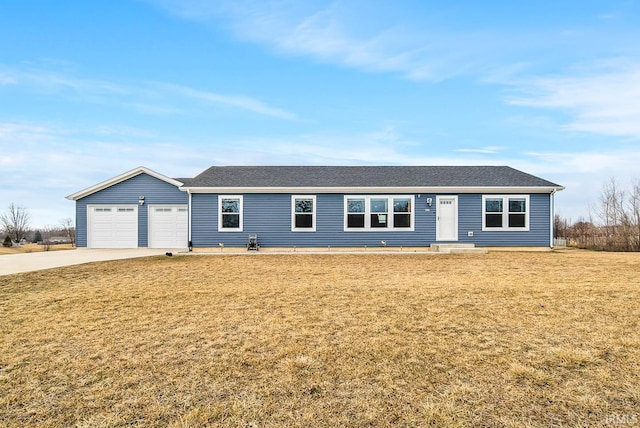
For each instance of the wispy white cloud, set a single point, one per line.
(44, 162)
(603, 100)
(154, 98)
(583, 173)
(239, 101)
(6, 79)
(125, 130)
(20, 131)
(378, 37)
(335, 33)
(604, 162)
(490, 150)
(599, 99)
(51, 82)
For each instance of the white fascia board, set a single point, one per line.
(120, 178)
(381, 190)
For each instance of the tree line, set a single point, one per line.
(613, 223)
(15, 223)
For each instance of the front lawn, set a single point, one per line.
(511, 339)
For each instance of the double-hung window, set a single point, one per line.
(378, 212)
(355, 213)
(303, 213)
(505, 213)
(229, 213)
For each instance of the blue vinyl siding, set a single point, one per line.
(269, 216)
(126, 193)
(470, 220)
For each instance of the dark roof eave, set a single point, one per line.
(374, 189)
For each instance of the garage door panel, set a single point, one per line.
(168, 226)
(113, 227)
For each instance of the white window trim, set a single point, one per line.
(293, 214)
(241, 221)
(367, 213)
(505, 213)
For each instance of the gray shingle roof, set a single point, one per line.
(365, 176)
(186, 181)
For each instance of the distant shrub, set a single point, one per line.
(7, 242)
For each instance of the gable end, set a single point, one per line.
(119, 179)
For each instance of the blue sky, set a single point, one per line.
(89, 90)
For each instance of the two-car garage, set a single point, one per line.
(119, 226)
(137, 209)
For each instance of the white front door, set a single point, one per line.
(446, 218)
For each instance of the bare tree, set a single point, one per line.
(634, 202)
(583, 233)
(619, 215)
(560, 226)
(613, 224)
(69, 229)
(15, 222)
(611, 214)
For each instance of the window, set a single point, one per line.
(229, 213)
(402, 212)
(494, 212)
(505, 212)
(378, 213)
(303, 213)
(355, 213)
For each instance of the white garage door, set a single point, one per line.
(113, 226)
(168, 226)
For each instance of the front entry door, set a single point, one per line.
(446, 218)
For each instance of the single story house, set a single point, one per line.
(318, 206)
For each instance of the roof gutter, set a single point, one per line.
(375, 189)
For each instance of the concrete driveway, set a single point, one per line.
(29, 262)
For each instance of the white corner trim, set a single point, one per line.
(120, 178)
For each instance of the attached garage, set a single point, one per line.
(137, 209)
(112, 226)
(168, 226)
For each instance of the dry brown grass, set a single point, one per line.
(34, 248)
(503, 339)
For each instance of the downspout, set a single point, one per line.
(552, 217)
(190, 242)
